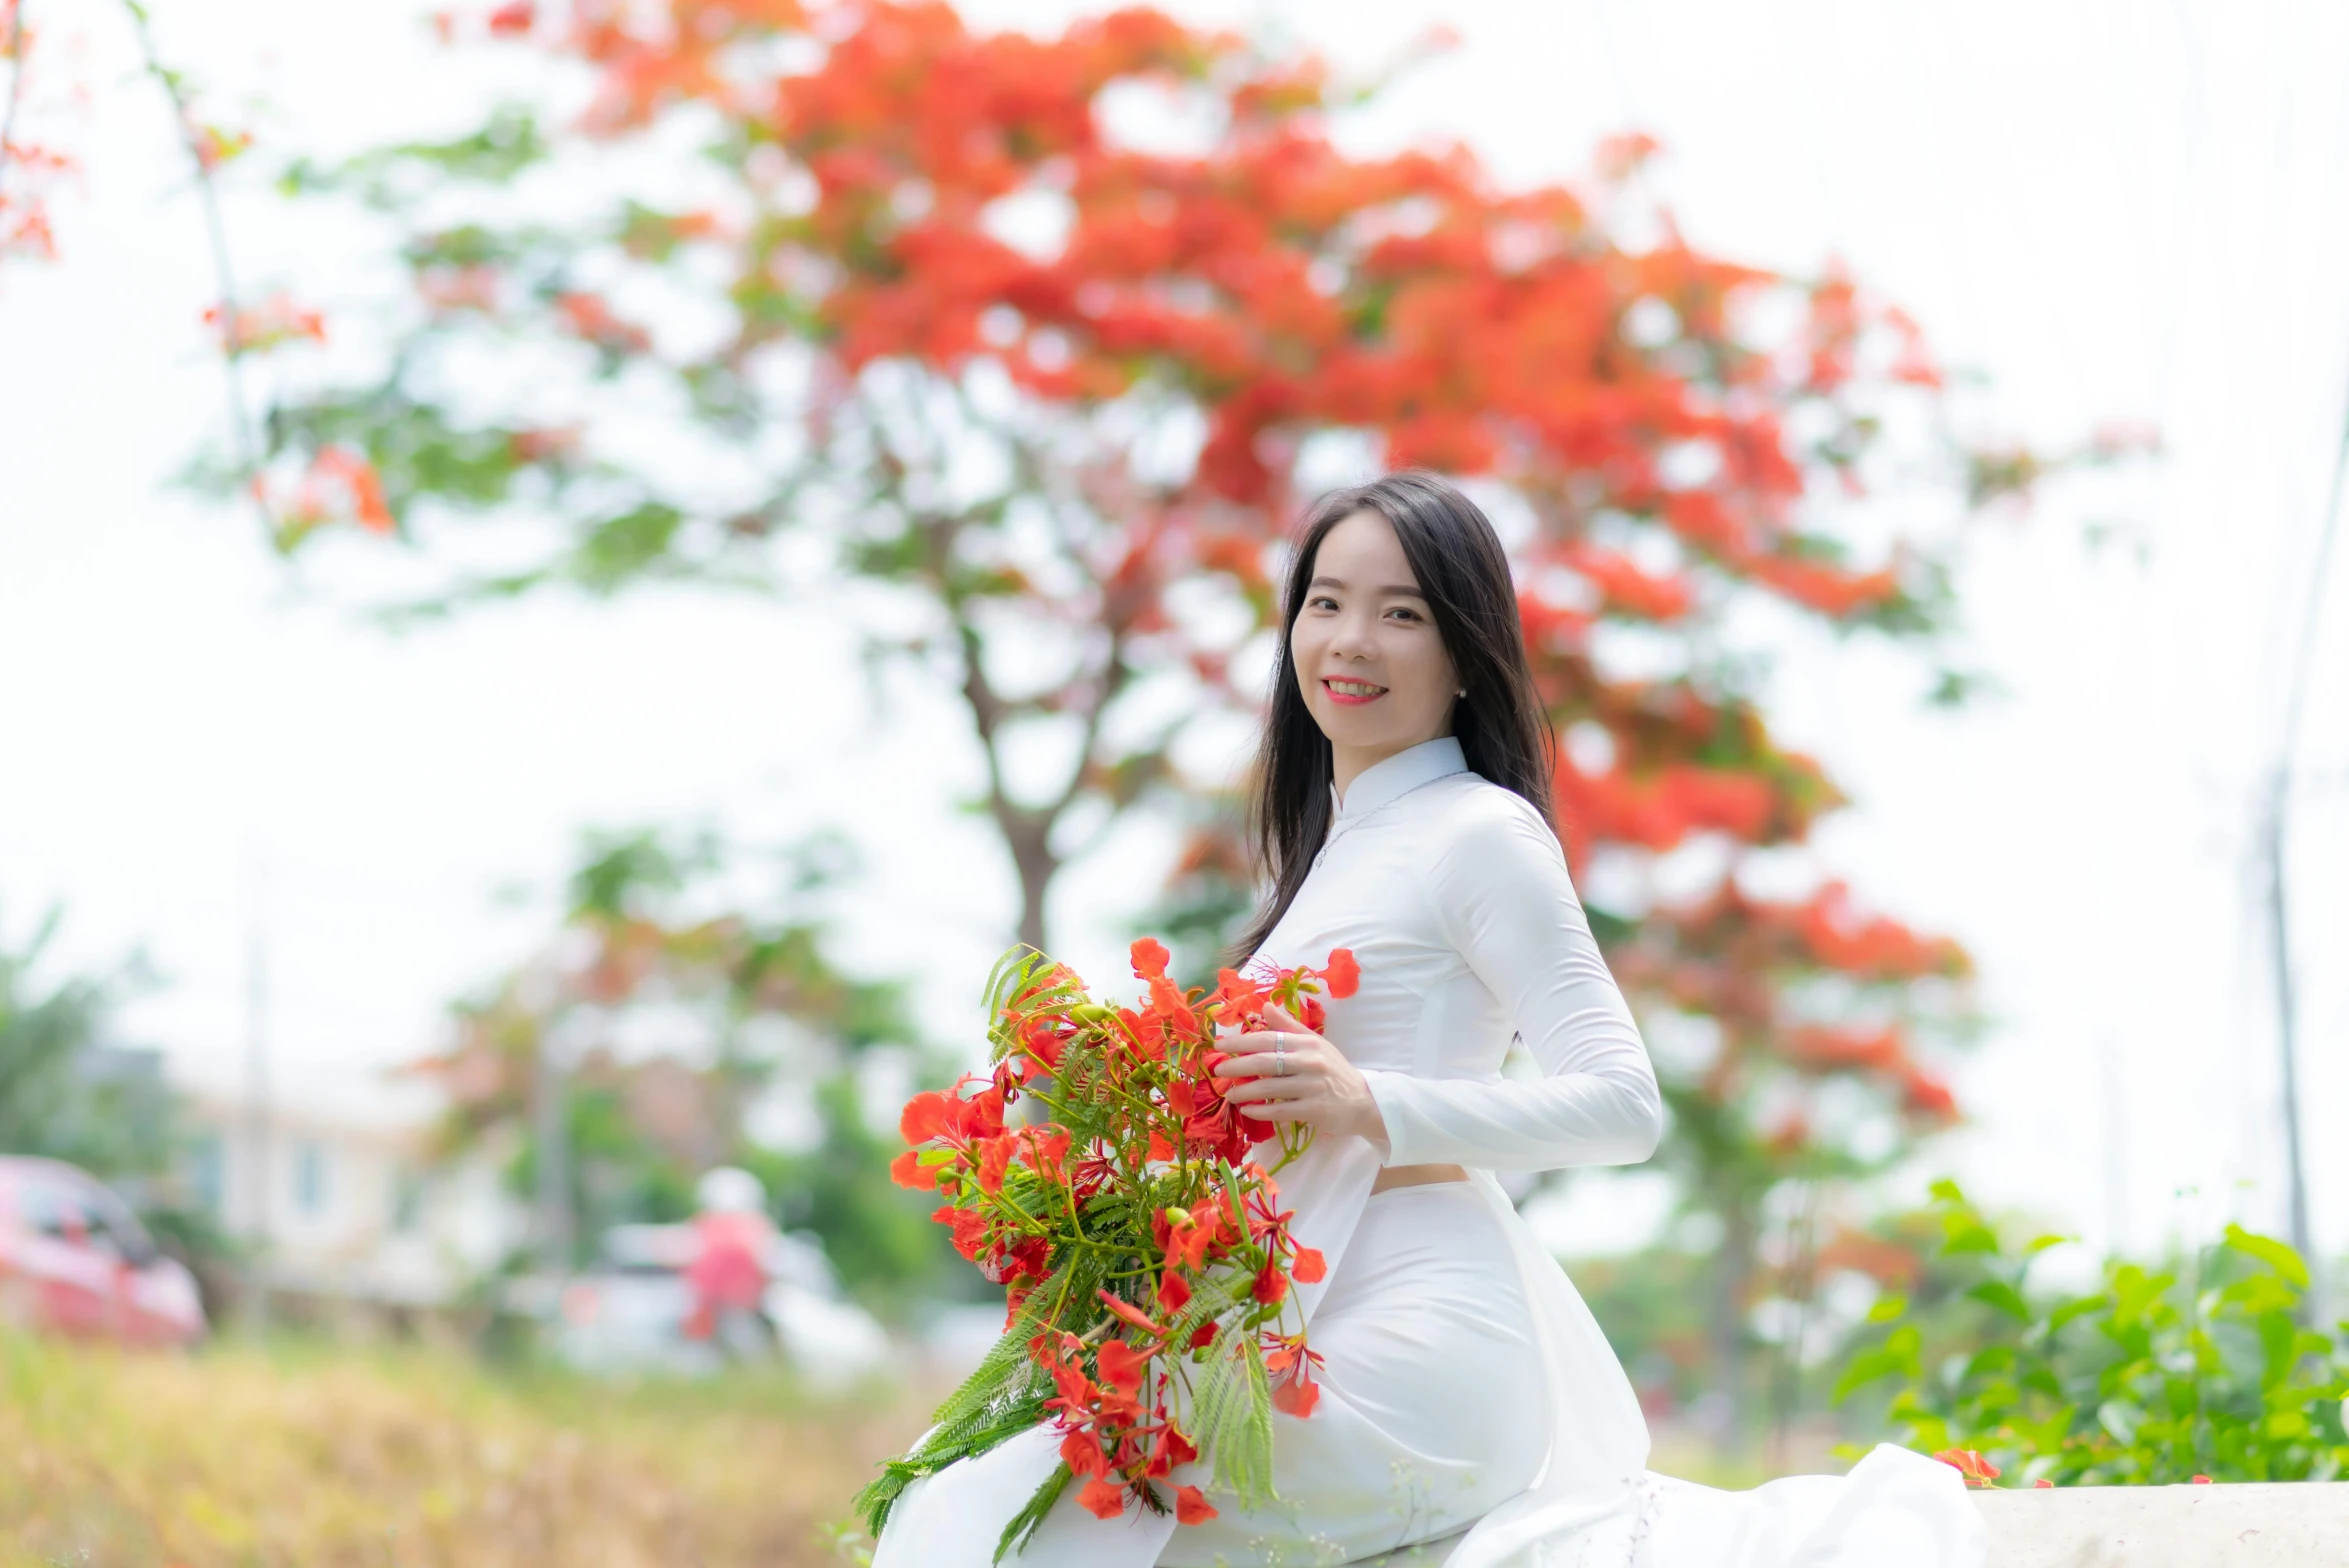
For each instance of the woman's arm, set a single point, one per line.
(1502, 895)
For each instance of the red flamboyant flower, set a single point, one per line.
(1081, 1452)
(1969, 1463)
(1132, 1314)
(1272, 1286)
(274, 321)
(1122, 1365)
(994, 1160)
(1169, 1449)
(1342, 973)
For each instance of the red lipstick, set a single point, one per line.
(1351, 699)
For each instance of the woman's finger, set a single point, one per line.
(1265, 1040)
(1274, 1014)
(1257, 1086)
(1277, 1054)
(1267, 1065)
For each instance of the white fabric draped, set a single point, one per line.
(1455, 900)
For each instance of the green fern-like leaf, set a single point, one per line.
(1233, 1414)
(991, 1428)
(1210, 1301)
(1003, 1397)
(1024, 1524)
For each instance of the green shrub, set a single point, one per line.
(2199, 1369)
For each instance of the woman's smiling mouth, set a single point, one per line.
(1351, 693)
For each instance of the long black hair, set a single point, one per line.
(1503, 730)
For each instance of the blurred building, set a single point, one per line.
(347, 1207)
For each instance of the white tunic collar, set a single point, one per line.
(1396, 776)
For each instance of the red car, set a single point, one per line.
(75, 1260)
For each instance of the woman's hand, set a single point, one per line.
(1292, 1074)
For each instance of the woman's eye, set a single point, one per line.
(1322, 602)
(1403, 614)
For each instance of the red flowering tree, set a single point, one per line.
(31, 168)
(27, 167)
(1045, 340)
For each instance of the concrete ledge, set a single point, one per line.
(2254, 1525)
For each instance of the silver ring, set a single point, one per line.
(1280, 1059)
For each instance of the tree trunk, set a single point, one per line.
(1036, 865)
(1733, 1271)
(1026, 831)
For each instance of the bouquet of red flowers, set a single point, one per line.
(1138, 1229)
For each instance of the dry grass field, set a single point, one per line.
(241, 1457)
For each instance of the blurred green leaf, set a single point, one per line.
(2275, 1254)
(2200, 1368)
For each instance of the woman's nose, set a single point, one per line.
(1350, 638)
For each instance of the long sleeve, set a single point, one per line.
(1502, 895)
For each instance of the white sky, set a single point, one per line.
(2114, 211)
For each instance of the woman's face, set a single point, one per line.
(1370, 663)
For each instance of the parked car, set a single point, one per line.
(75, 1260)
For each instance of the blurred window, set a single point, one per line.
(208, 1173)
(407, 1200)
(310, 1174)
(116, 1230)
(52, 1211)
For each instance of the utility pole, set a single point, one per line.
(257, 1129)
(2279, 907)
(550, 1129)
(2275, 820)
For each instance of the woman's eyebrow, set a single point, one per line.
(1408, 590)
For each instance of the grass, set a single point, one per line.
(302, 1453)
(250, 1456)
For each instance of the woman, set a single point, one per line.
(1471, 1413)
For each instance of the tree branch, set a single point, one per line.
(15, 88)
(248, 454)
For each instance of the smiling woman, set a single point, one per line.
(1369, 660)
(1403, 629)
(1470, 1411)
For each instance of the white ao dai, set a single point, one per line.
(1472, 1412)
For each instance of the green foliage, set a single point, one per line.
(878, 1235)
(2154, 1377)
(391, 177)
(1653, 1303)
(63, 1094)
(656, 921)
